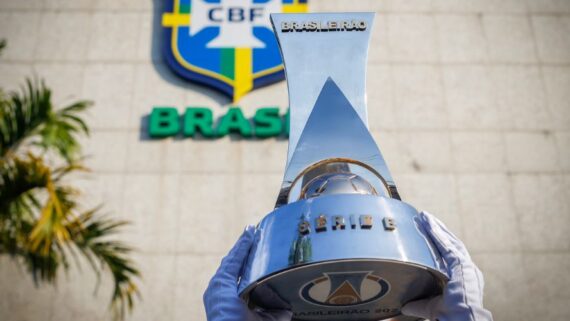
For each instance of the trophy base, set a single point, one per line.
(342, 257)
(347, 289)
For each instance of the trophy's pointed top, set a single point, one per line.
(335, 133)
(332, 119)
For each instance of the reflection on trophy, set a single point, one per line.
(340, 244)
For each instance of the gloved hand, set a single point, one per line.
(221, 298)
(462, 298)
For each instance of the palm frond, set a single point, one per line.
(22, 114)
(43, 233)
(18, 177)
(62, 129)
(50, 229)
(91, 235)
(40, 224)
(28, 116)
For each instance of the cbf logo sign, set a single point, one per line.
(226, 44)
(345, 289)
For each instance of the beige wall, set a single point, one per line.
(469, 101)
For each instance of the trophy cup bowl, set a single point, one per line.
(340, 244)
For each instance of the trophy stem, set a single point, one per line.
(326, 78)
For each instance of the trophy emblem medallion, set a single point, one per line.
(345, 289)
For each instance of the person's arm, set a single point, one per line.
(221, 299)
(462, 298)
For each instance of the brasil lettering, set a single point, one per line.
(199, 121)
(323, 26)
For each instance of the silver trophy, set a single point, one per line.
(340, 244)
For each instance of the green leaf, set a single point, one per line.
(29, 118)
(41, 225)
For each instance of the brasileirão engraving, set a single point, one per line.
(323, 26)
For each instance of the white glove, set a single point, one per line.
(462, 298)
(221, 299)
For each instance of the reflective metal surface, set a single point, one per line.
(333, 132)
(337, 183)
(326, 74)
(311, 58)
(340, 244)
(284, 260)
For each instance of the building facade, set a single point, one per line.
(469, 101)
